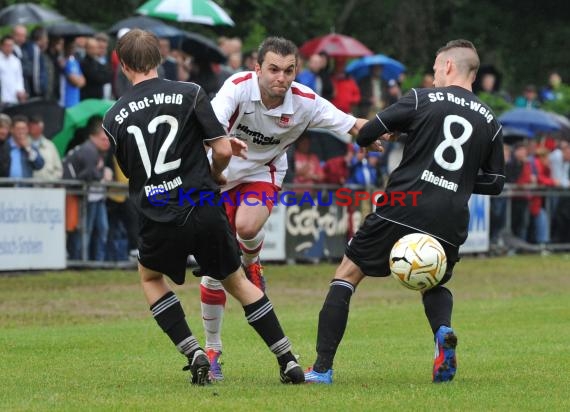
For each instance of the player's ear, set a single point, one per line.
(448, 64)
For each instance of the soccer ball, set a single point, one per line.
(418, 261)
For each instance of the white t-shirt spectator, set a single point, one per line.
(11, 78)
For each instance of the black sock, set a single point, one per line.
(168, 313)
(332, 323)
(438, 305)
(261, 316)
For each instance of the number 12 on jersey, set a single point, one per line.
(160, 165)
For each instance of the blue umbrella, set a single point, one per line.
(361, 67)
(512, 135)
(534, 120)
(513, 131)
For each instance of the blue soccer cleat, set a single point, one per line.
(312, 376)
(215, 373)
(445, 362)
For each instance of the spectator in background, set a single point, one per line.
(79, 47)
(169, 65)
(55, 64)
(52, 169)
(540, 167)
(307, 165)
(19, 157)
(327, 91)
(552, 90)
(371, 101)
(229, 46)
(347, 93)
(498, 208)
(427, 81)
(235, 62)
(560, 205)
(12, 86)
(123, 219)
(488, 81)
(103, 58)
(393, 92)
(249, 60)
(364, 168)
(203, 75)
(86, 162)
(120, 82)
(336, 169)
(20, 35)
(71, 79)
(5, 125)
(34, 64)
(316, 76)
(96, 74)
(529, 98)
(518, 171)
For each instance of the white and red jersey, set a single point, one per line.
(269, 132)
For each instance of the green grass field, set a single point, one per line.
(86, 341)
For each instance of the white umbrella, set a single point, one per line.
(193, 11)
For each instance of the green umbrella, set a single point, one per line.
(193, 11)
(77, 117)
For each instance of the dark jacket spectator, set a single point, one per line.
(96, 74)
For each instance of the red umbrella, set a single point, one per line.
(335, 45)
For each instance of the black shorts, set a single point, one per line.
(371, 245)
(206, 234)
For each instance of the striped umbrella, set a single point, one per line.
(193, 11)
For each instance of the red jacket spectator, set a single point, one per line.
(541, 172)
(347, 93)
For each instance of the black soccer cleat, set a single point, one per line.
(292, 373)
(199, 368)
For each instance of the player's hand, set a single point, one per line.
(375, 146)
(390, 137)
(239, 148)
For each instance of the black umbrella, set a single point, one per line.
(200, 47)
(70, 29)
(50, 111)
(155, 26)
(326, 144)
(28, 13)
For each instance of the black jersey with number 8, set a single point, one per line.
(451, 138)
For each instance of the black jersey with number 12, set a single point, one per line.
(452, 137)
(158, 129)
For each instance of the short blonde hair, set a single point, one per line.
(5, 120)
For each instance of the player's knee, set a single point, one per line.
(246, 230)
(211, 283)
(148, 275)
(349, 272)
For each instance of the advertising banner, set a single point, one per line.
(32, 228)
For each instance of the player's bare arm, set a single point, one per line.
(221, 155)
(357, 126)
(375, 146)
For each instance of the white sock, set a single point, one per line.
(213, 300)
(251, 247)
